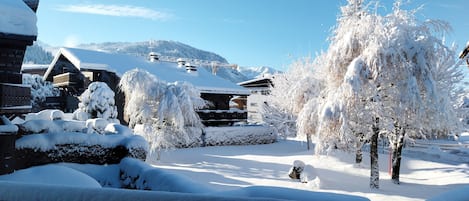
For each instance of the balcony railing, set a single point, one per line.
(222, 117)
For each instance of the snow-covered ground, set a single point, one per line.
(249, 173)
(424, 173)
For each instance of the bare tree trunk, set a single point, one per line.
(374, 172)
(397, 153)
(308, 141)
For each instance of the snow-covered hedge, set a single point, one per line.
(39, 149)
(47, 138)
(221, 136)
(239, 135)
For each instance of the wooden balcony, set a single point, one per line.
(15, 98)
(67, 79)
(222, 117)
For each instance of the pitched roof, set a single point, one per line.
(168, 71)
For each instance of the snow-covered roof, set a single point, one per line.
(264, 81)
(17, 18)
(168, 71)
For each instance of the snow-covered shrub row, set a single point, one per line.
(98, 102)
(39, 149)
(40, 89)
(239, 135)
(218, 136)
(50, 141)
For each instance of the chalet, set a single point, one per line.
(260, 88)
(72, 70)
(17, 31)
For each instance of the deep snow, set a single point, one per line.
(17, 18)
(423, 175)
(431, 169)
(262, 171)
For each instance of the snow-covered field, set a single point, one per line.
(424, 174)
(249, 173)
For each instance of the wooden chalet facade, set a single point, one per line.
(72, 70)
(15, 98)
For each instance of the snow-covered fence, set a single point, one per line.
(442, 146)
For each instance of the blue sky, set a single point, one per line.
(246, 32)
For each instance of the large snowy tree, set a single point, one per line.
(386, 75)
(168, 110)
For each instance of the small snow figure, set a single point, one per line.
(304, 173)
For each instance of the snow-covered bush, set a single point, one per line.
(40, 89)
(167, 109)
(98, 102)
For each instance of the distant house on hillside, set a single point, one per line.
(72, 70)
(17, 30)
(260, 88)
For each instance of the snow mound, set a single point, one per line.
(290, 194)
(45, 115)
(52, 175)
(459, 194)
(17, 18)
(114, 128)
(6, 126)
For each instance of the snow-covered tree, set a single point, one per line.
(291, 91)
(40, 89)
(167, 109)
(98, 102)
(380, 77)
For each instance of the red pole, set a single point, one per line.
(390, 162)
